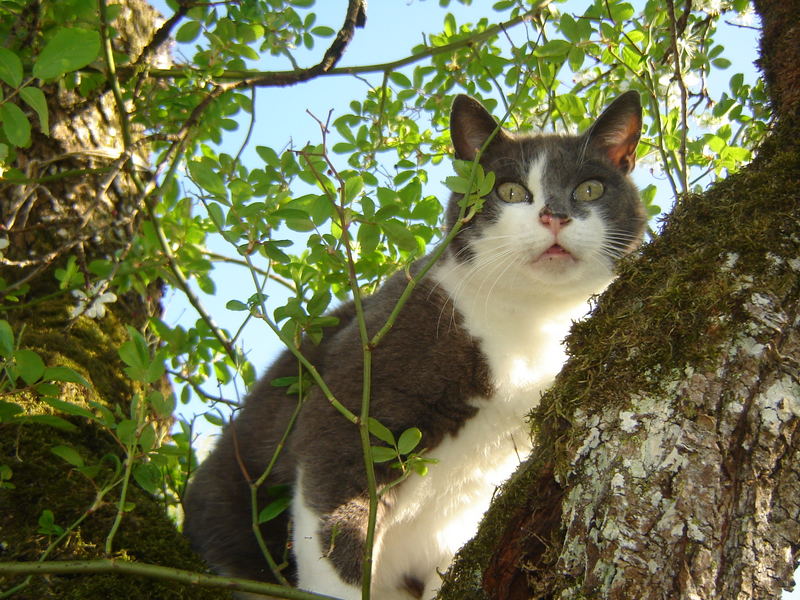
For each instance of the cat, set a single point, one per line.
(473, 349)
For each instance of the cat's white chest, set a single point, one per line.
(433, 516)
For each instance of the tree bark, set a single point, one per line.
(666, 462)
(77, 199)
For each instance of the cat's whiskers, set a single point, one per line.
(618, 243)
(483, 268)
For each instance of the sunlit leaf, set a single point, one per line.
(68, 50)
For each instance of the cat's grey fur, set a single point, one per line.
(453, 365)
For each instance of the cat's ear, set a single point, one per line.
(616, 132)
(470, 126)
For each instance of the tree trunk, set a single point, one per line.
(77, 200)
(666, 462)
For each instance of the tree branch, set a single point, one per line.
(124, 567)
(354, 16)
(285, 78)
(163, 33)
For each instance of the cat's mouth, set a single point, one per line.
(556, 251)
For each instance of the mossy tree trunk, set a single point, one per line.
(667, 462)
(77, 201)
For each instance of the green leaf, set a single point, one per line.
(148, 476)
(10, 68)
(15, 124)
(380, 431)
(129, 354)
(272, 250)
(486, 184)
(106, 416)
(213, 419)
(8, 410)
(51, 420)
(126, 431)
(47, 524)
(317, 305)
(274, 509)
(68, 50)
(400, 79)
(30, 366)
(353, 187)
(6, 339)
(69, 408)
(457, 184)
(409, 440)
(382, 454)
(553, 49)
(47, 389)
(568, 27)
(420, 467)
(142, 367)
(68, 454)
(449, 24)
(34, 97)
(163, 405)
(216, 214)
(156, 368)
(207, 178)
(323, 31)
(398, 233)
(65, 374)
(369, 236)
(736, 83)
(236, 305)
(576, 58)
(188, 32)
(621, 12)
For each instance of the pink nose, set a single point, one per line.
(554, 222)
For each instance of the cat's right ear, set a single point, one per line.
(616, 132)
(470, 126)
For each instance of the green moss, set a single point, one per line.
(44, 481)
(84, 345)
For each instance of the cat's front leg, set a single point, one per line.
(328, 548)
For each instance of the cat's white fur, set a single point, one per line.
(520, 303)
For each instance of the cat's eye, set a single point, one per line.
(512, 192)
(589, 190)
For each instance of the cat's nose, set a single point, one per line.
(553, 221)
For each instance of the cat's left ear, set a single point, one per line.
(470, 126)
(616, 132)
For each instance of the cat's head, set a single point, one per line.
(563, 209)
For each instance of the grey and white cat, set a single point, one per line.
(473, 349)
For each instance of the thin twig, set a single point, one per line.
(678, 76)
(237, 261)
(180, 278)
(162, 35)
